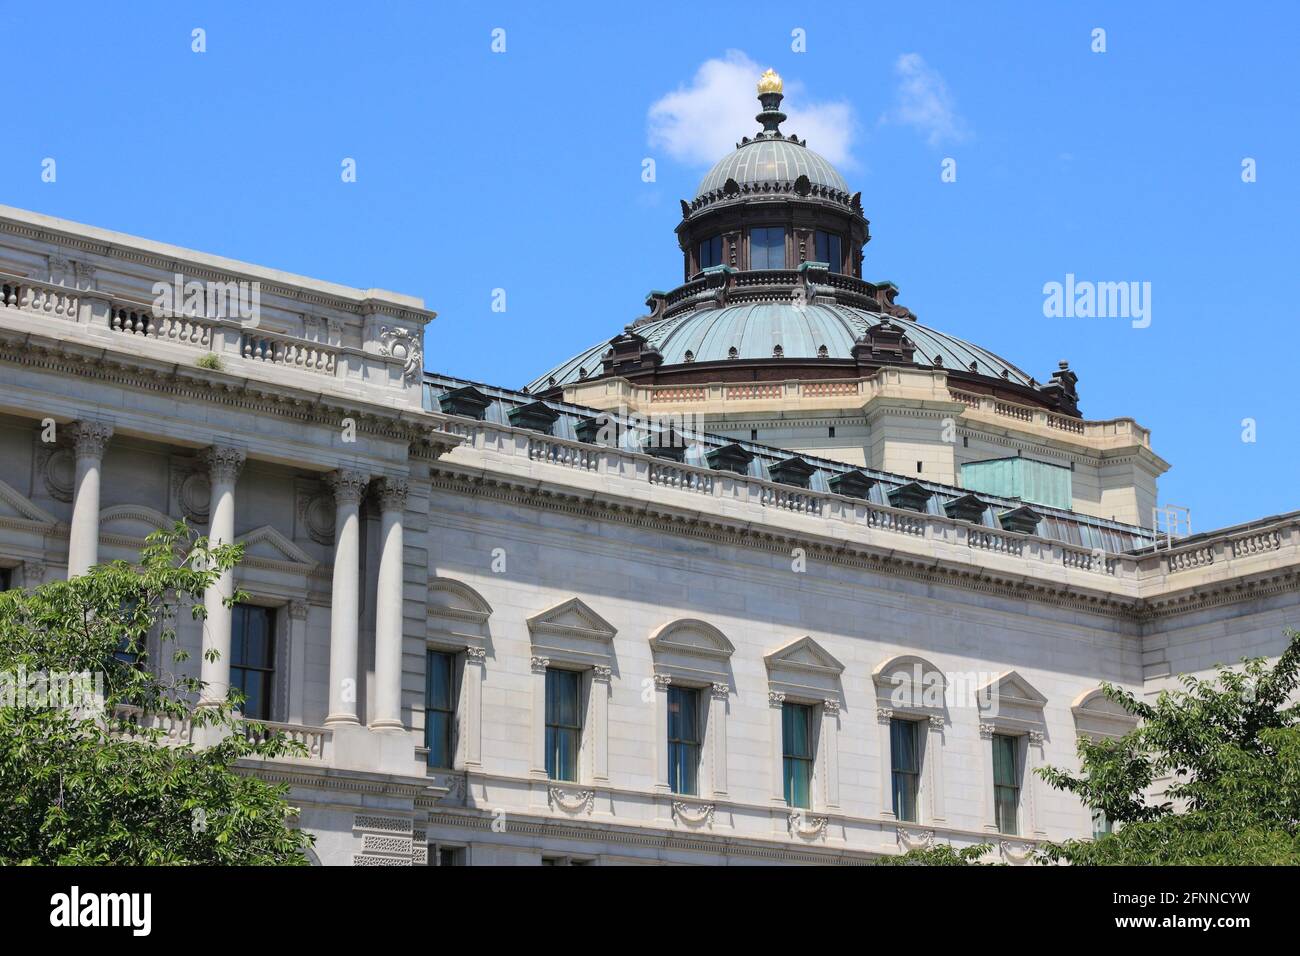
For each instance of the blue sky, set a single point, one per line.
(522, 171)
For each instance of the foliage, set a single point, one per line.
(210, 361)
(103, 785)
(941, 854)
(1223, 759)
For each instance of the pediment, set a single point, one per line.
(16, 505)
(455, 599)
(694, 638)
(133, 521)
(572, 618)
(267, 544)
(1010, 687)
(908, 681)
(1096, 715)
(804, 654)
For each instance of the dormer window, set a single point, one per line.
(830, 250)
(711, 252)
(767, 248)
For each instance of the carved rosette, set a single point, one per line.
(694, 814)
(192, 492)
(223, 463)
(392, 494)
(90, 438)
(573, 802)
(348, 487)
(57, 467)
(316, 512)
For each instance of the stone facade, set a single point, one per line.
(378, 530)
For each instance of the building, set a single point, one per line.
(778, 574)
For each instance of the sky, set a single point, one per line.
(522, 170)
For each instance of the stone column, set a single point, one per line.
(348, 488)
(990, 806)
(387, 712)
(885, 718)
(298, 612)
(224, 464)
(89, 439)
(662, 682)
(1033, 784)
(831, 752)
(601, 676)
(718, 732)
(776, 759)
(934, 764)
(538, 761)
(470, 740)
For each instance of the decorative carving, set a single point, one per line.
(571, 801)
(830, 707)
(348, 486)
(192, 491)
(936, 722)
(476, 655)
(224, 463)
(1036, 738)
(57, 467)
(403, 344)
(884, 715)
(1016, 852)
(298, 610)
(915, 839)
(540, 664)
(316, 512)
(90, 438)
(602, 673)
(775, 698)
(721, 691)
(663, 680)
(987, 731)
(803, 824)
(694, 815)
(392, 493)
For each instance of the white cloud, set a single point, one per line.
(701, 122)
(923, 101)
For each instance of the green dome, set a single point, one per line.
(772, 164)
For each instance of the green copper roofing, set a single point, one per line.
(755, 329)
(771, 161)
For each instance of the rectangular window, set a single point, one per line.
(1101, 824)
(906, 762)
(829, 250)
(767, 248)
(711, 252)
(440, 708)
(252, 636)
(683, 739)
(563, 724)
(797, 751)
(1006, 783)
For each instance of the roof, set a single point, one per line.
(1056, 523)
(772, 161)
(755, 329)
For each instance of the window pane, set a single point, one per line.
(1006, 806)
(905, 796)
(683, 714)
(563, 724)
(562, 698)
(711, 252)
(437, 737)
(830, 250)
(1004, 761)
(562, 753)
(798, 782)
(437, 693)
(795, 722)
(683, 767)
(902, 743)
(767, 248)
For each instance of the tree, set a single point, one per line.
(1225, 754)
(941, 854)
(93, 778)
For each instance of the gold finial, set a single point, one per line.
(770, 82)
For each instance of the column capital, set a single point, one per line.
(831, 707)
(775, 698)
(224, 462)
(884, 715)
(721, 691)
(392, 493)
(298, 610)
(90, 437)
(348, 486)
(539, 664)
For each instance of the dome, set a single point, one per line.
(775, 162)
(755, 330)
